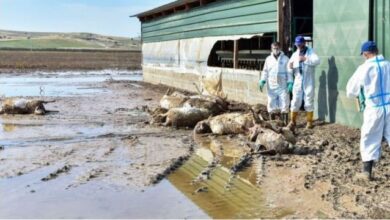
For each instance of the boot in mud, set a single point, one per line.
(366, 174)
(293, 122)
(285, 118)
(309, 119)
(272, 116)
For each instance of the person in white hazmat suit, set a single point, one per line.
(279, 83)
(371, 83)
(302, 64)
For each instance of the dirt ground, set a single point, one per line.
(21, 61)
(106, 138)
(325, 172)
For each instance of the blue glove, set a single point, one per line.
(261, 85)
(362, 100)
(290, 87)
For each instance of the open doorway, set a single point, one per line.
(251, 53)
(302, 20)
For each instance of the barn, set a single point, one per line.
(219, 46)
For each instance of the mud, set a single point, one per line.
(100, 157)
(95, 139)
(318, 173)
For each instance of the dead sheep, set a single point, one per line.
(23, 106)
(173, 100)
(157, 115)
(222, 102)
(273, 142)
(229, 123)
(213, 106)
(185, 117)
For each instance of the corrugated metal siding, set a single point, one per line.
(382, 26)
(339, 29)
(216, 19)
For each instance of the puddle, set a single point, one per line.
(174, 197)
(96, 200)
(60, 84)
(224, 196)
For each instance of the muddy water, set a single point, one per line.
(60, 83)
(24, 197)
(224, 195)
(95, 157)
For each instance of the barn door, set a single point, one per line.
(381, 26)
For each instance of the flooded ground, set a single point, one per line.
(97, 156)
(93, 158)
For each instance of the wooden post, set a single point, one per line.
(235, 54)
(284, 24)
(280, 23)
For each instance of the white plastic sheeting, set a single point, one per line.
(189, 56)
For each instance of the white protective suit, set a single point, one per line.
(304, 83)
(374, 77)
(276, 76)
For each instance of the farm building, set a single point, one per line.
(219, 46)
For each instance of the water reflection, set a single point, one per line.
(50, 85)
(223, 195)
(8, 127)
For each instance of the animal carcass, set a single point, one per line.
(229, 123)
(185, 116)
(23, 106)
(214, 105)
(273, 142)
(174, 100)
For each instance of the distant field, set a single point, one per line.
(17, 61)
(48, 44)
(24, 51)
(34, 40)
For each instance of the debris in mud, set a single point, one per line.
(55, 174)
(91, 174)
(23, 106)
(242, 163)
(206, 173)
(201, 190)
(173, 166)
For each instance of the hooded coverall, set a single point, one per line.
(304, 80)
(373, 76)
(276, 75)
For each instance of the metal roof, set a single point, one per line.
(165, 7)
(159, 11)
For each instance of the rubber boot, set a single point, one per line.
(366, 174)
(285, 118)
(309, 119)
(367, 169)
(293, 121)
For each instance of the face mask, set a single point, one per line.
(276, 52)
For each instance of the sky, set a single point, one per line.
(107, 17)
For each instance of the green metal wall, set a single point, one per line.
(382, 26)
(340, 26)
(222, 18)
